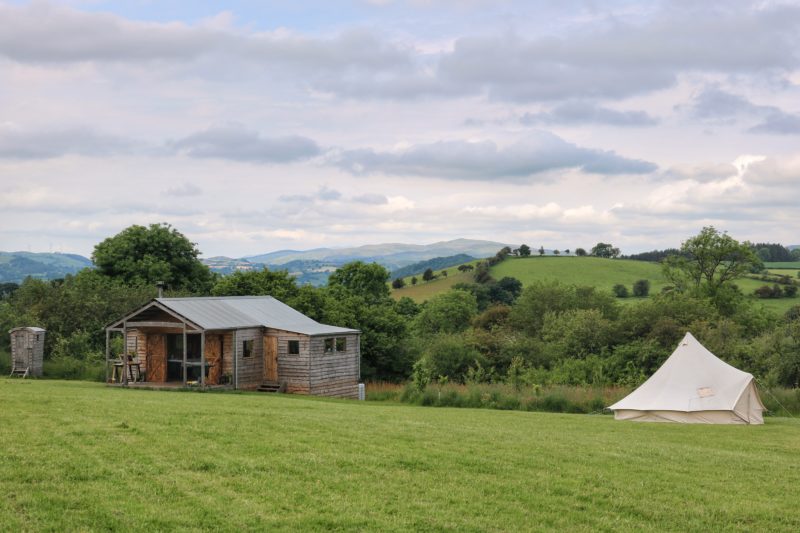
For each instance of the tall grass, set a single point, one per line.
(554, 399)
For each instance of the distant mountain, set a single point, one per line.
(227, 265)
(437, 264)
(390, 255)
(16, 266)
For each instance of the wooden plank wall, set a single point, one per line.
(28, 351)
(293, 369)
(251, 369)
(337, 373)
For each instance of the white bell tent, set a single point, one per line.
(694, 386)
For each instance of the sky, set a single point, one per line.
(255, 126)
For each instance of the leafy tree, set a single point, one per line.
(641, 288)
(790, 291)
(449, 312)
(556, 252)
(524, 250)
(795, 254)
(278, 284)
(364, 279)
(141, 255)
(541, 250)
(448, 355)
(580, 252)
(428, 275)
(709, 261)
(566, 251)
(603, 249)
(444, 273)
(414, 280)
(398, 283)
(620, 290)
(465, 268)
(406, 307)
(482, 274)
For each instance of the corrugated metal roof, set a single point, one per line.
(231, 312)
(34, 329)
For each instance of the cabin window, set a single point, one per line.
(247, 348)
(341, 344)
(330, 345)
(294, 347)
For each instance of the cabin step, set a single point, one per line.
(269, 386)
(20, 372)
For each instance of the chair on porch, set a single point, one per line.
(129, 364)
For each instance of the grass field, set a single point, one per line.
(789, 265)
(81, 456)
(591, 271)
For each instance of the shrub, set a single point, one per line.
(790, 291)
(620, 290)
(641, 288)
(398, 283)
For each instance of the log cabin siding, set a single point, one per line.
(293, 369)
(250, 369)
(335, 373)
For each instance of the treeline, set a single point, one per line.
(483, 332)
(766, 252)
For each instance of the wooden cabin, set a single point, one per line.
(245, 342)
(27, 351)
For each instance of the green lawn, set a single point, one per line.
(81, 456)
(792, 265)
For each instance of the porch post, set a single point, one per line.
(203, 358)
(184, 353)
(125, 353)
(108, 347)
(235, 361)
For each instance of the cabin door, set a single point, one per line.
(156, 357)
(270, 358)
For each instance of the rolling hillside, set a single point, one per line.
(592, 271)
(16, 266)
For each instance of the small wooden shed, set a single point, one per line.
(27, 351)
(245, 342)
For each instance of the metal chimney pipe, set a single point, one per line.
(160, 285)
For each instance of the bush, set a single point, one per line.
(620, 290)
(641, 288)
(398, 283)
(765, 291)
(790, 291)
(70, 368)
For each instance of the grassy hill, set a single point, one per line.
(16, 266)
(81, 456)
(592, 271)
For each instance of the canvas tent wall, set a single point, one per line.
(694, 386)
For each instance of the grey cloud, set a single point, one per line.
(721, 106)
(371, 199)
(484, 160)
(324, 194)
(239, 144)
(588, 113)
(18, 143)
(46, 33)
(184, 190)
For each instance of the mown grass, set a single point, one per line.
(81, 456)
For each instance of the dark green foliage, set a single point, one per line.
(414, 280)
(428, 275)
(264, 282)
(620, 291)
(365, 279)
(482, 274)
(653, 256)
(580, 252)
(641, 288)
(772, 252)
(7, 289)
(141, 255)
(524, 250)
(450, 312)
(602, 249)
(447, 355)
(398, 283)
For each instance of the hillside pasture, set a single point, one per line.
(82, 456)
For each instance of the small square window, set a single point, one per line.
(247, 348)
(294, 347)
(341, 344)
(329, 345)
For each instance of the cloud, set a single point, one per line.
(717, 105)
(371, 199)
(237, 143)
(324, 194)
(20, 143)
(540, 152)
(184, 190)
(578, 113)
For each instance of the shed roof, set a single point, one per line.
(234, 312)
(33, 329)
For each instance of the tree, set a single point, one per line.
(465, 268)
(580, 252)
(444, 273)
(449, 312)
(398, 283)
(795, 254)
(524, 250)
(556, 252)
(278, 284)
(363, 279)
(414, 280)
(620, 290)
(146, 255)
(603, 249)
(709, 261)
(541, 250)
(428, 275)
(566, 251)
(641, 288)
